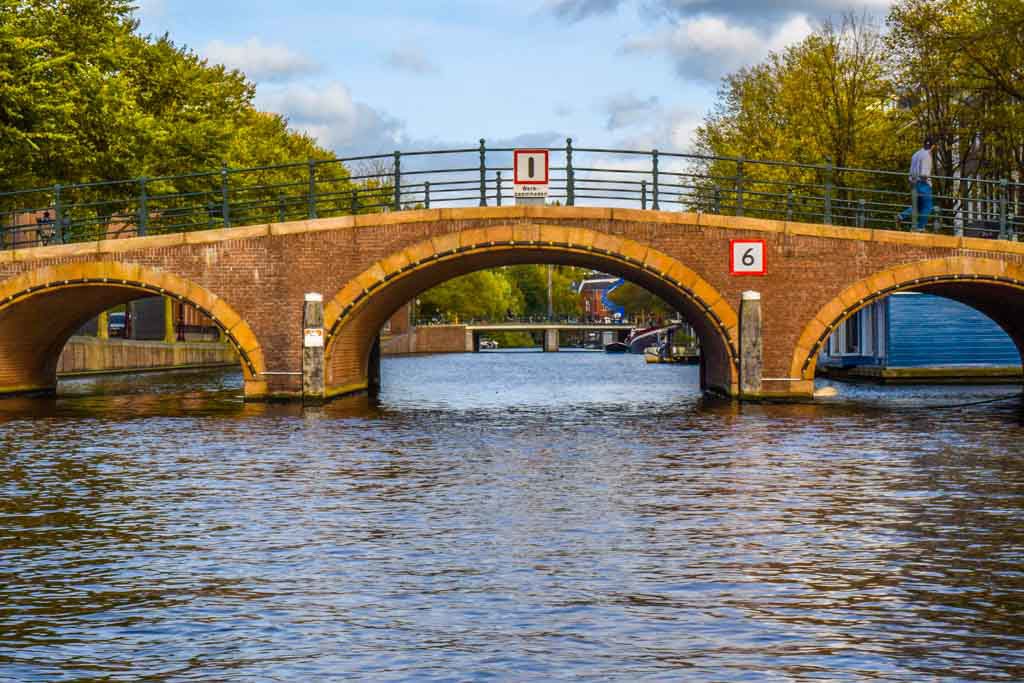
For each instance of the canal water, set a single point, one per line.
(511, 516)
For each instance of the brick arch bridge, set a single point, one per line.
(251, 281)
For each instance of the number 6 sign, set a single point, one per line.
(747, 257)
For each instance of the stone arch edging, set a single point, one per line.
(955, 269)
(132, 276)
(535, 236)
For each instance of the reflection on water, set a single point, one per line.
(524, 516)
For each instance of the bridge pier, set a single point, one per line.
(313, 388)
(550, 340)
(751, 346)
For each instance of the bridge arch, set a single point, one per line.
(41, 309)
(993, 287)
(354, 316)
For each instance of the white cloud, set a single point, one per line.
(412, 60)
(627, 109)
(260, 61)
(707, 47)
(331, 115)
(751, 10)
(667, 130)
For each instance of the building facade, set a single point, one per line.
(918, 330)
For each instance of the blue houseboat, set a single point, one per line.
(914, 330)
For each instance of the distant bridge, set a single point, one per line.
(551, 330)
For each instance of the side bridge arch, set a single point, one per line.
(992, 286)
(41, 309)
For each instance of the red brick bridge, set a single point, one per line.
(252, 280)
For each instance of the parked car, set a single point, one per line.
(116, 324)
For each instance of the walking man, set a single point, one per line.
(920, 178)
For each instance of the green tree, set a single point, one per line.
(85, 98)
(826, 100)
(532, 282)
(480, 295)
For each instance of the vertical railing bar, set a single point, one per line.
(58, 213)
(398, 181)
(143, 226)
(1003, 189)
(654, 175)
(225, 209)
(312, 189)
(483, 172)
(570, 175)
(828, 192)
(498, 181)
(739, 186)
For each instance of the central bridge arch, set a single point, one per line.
(354, 316)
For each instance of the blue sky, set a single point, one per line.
(369, 77)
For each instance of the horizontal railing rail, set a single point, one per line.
(482, 176)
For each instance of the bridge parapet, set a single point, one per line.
(648, 180)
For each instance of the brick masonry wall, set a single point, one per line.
(262, 272)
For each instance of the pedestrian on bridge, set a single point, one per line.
(920, 178)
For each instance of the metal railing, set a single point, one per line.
(482, 176)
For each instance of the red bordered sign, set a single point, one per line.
(748, 257)
(530, 166)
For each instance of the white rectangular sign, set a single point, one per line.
(530, 172)
(747, 257)
(313, 337)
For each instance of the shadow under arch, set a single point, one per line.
(993, 287)
(40, 310)
(354, 316)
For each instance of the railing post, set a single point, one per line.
(225, 209)
(790, 201)
(828, 192)
(570, 175)
(354, 201)
(717, 199)
(398, 180)
(654, 174)
(281, 213)
(312, 189)
(483, 173)
(913, 207)
(58, 214)
(143, 210)
(1003, 226)
(498, 183)
(739, 187)
(426, 194)
(643, 194)
(861, 213)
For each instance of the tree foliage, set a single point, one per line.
(85, 98)
(495, 294)
(861, 95)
